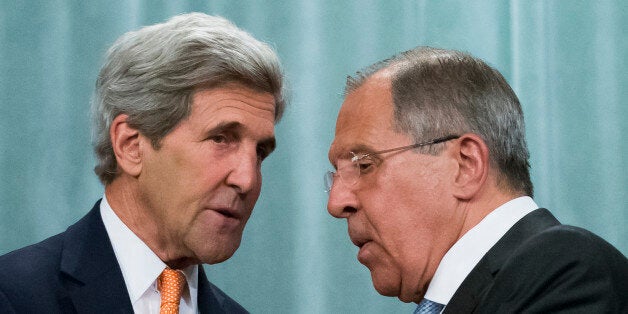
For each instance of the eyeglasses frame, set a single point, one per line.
(329, 175)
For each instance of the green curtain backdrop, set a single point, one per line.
(566, 60)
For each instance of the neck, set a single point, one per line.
(482, 204)
(126, 202)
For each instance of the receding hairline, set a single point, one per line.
(399, 63)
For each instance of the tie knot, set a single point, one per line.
(170, 284)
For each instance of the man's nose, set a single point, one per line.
(245, 173)
(342, 201)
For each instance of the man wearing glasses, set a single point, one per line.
(432, 176)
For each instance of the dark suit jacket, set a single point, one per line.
(541, 266)
(77, 272)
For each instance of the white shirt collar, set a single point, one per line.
(141, 268)
(472, 246)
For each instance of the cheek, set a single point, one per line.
(385, 273)
(202, 172)
(406, 210)
(392, 225)
(419, 192)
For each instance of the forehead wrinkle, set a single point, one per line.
(228, 125)
(364, 117)
(258, 110)
(262, 101)
(234, 125)
(354, 136)
(255, 103)
(233, 116)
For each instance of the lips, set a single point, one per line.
(357, 239)
(228, 204)
(358, 242)
(364, 253)
(229, 212)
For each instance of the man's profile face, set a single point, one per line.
(202, 183)
(399, 212)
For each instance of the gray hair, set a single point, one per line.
(441, 92)
(151, 75)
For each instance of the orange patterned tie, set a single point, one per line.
(170, 283)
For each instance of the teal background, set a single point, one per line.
(566, 60)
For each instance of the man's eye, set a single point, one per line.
(365, 165)
(262, 153)
(220, 139)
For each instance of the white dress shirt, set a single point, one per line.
(469, 250)
(141, 267)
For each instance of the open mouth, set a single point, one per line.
(226, 213)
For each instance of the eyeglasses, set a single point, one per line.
(349, 170)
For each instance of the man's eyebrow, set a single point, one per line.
(346, 153)
(269, 143)
(225, 126)
(361, 149)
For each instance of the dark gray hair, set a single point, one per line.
(151, 75)
(440, 92)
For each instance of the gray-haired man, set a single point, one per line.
(432, 178)
(184, 114)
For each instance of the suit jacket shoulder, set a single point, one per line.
(27, 273)
(542, 266)
(77, 272)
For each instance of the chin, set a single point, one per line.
(213, 253)
(385, 284)
(216, 257)
(391, 290)
(412, 297)
(215, 260)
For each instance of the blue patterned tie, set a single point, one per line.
(428, 307)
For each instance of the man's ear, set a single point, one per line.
(471, 153)
(125, 141)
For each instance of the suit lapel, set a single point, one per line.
(207, 299)
(470, 292)
(480, 280)
(91, 273)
